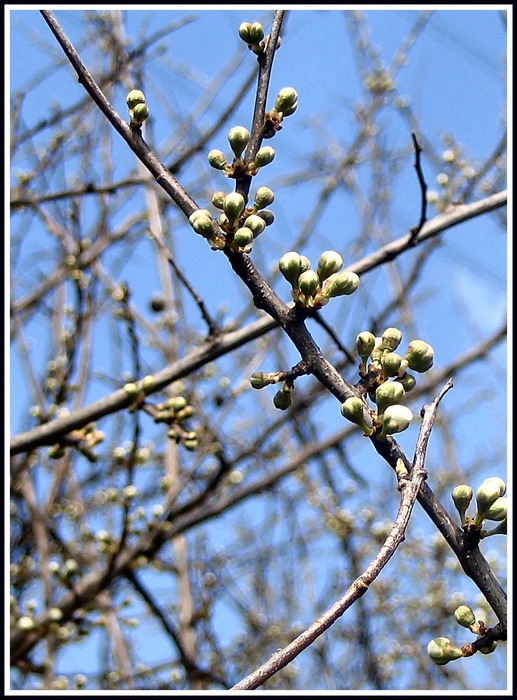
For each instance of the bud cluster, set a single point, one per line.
(386, 380)
(253, 36)
(312, 289)
(442, 649)
(137, 108)
(175, 412)
(238, 138)
(491, 504)
(83, 439)
(286, 104)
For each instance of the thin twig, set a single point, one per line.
(423, 189)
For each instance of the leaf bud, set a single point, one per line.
(391, 339)
(218, 199)
(387, 394)
(217, 159)
(407, 381)
(244, 31)
(256, 224)
(499, 482)
(462, 496)
(243, 237)
(395, 419)
(464, 616)
(420, 356)
(487, 494)
(238, 136)
(364, 343)
(259, 380)
(329, 262)
(196, 214)
(291, 265)
(134, 98)
(282, 399)
(265, 155)
(140, 113)
(256, 33)
(263, 198)
(442, 650)
(391, 363)
(353, 410)
(176, 403)
(203, 226)
(286, 100)
(233, 207)
(267, 216)
(308, 282)
(498, 510)
(340, 283)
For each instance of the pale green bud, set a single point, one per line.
(290, 110)
(498, 510)
(265, 155)
(267, 216)
(464, 616)
(462, 496)
(25, 623)
(442, 650)
(259, 380)
(263, 198)
(196, 214)
(134, 98)
(387, 394)
(203, 226)
(489, 648)
(286, 99)
(256, 224)
(365, 343)
(353, 410)
(238, 136)
(218, 199)
(395, 419)
(217, 159)
(329, 263)
(291, 265)
(420, 355)
(243, 237)
(408, 382)
(391, 339)
(308, 282)
(256, 33)
(176, 403)
(244, 31)
(140, 112)
(340, 283)
(499, 482)
(501, 529)
(487, 494)
(391, 363)
(233, 206)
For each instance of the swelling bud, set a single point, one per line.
(442, 650)
(419, 355)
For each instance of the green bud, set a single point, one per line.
(501, 529)
(464, 616)
(387, 394)
(308, 282)
(256, 33)
(340, 283)
(395, 419)
(364, 343)
(233, 207)
(282, 399)
(203, 226)
(263, 198)
(489, 648)
(218, 199)
(329, 263)
(265, 155)
(176, 403)
(286, 99)
(442, 650)
(140, 113)
(487, 494)
(499, 482)
(244, 31)
(267, 216)
(134, 98)
(238, 136)
(56, 452)
(243, 237)
(391, 363)
(256, 224)
(498, 510)
(391, 339)
(196, 214)
(217, 159)
(462, 496)
(291, 265)
(259, 380)
(353, 410)
(407, 381)
(420, 355)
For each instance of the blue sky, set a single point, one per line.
(453, 81)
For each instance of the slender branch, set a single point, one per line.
(410, 483)
(423, 188)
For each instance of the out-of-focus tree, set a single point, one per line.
(211, 271)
